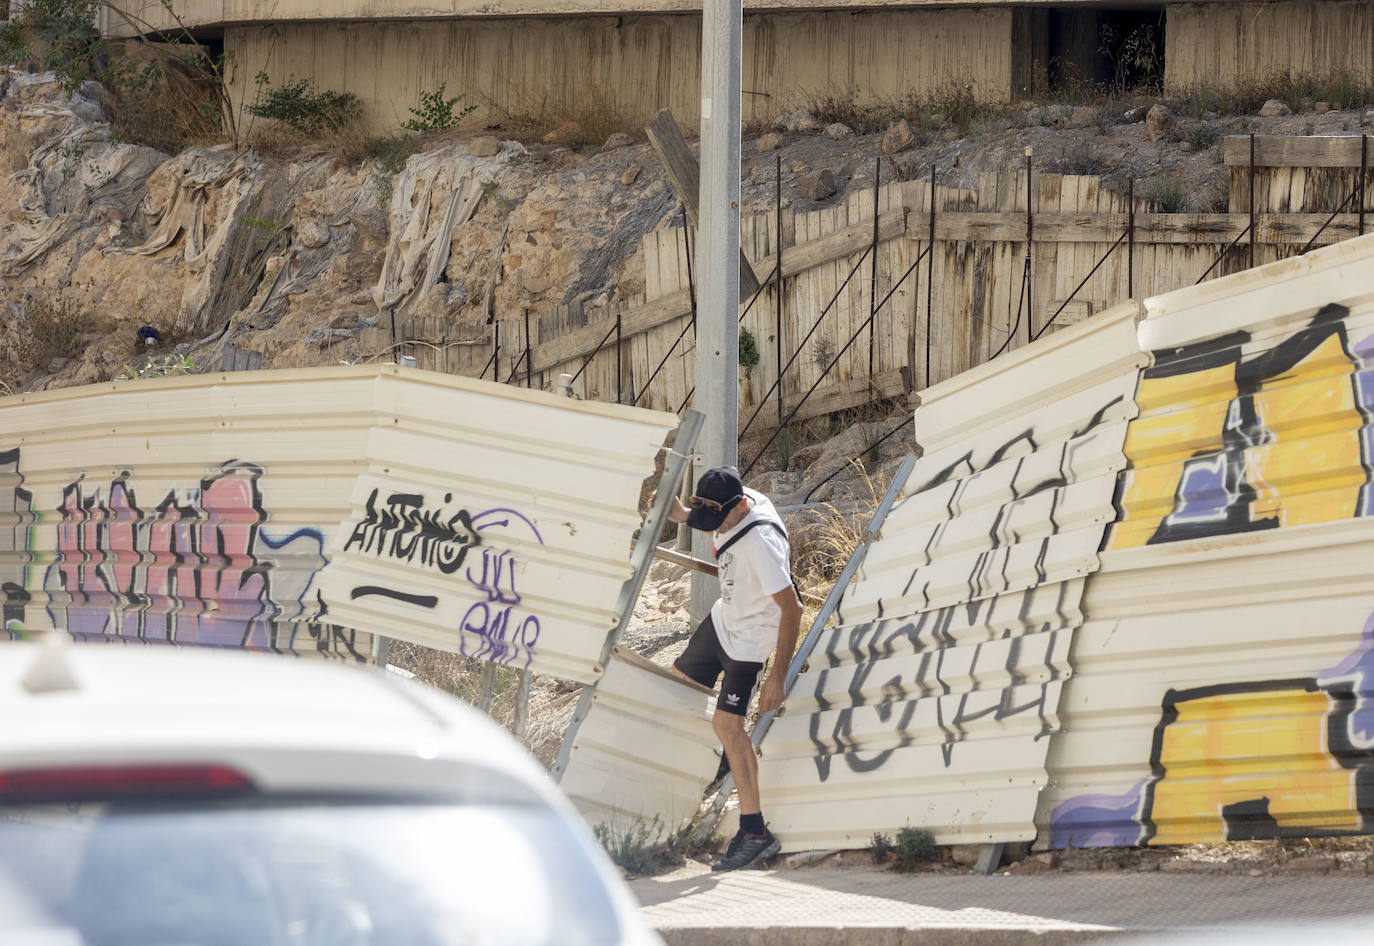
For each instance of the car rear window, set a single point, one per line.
(299, 874)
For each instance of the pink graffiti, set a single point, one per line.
(183, 572)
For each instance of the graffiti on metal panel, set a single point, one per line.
(403, 530)
(1036, 493)
(1212, 772)
(1035, 653)
(504, 634)
(16, 525)
(194, 567)
(1279, 439)
(447, 538)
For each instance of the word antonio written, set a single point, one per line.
(406, 531)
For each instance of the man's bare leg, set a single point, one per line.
(744, 763)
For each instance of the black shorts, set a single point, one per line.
(704, 660)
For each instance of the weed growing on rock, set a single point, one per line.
(881, 849)
(1200, 135)
(165, 367)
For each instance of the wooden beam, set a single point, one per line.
(1292, 151)
(795, 259)
(685, 173)
(841, 395)
(852, 239)
(1149, 228)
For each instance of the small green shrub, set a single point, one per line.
(748, 349)
(1200, 135)
(300, 105)
(435, 113)
(1169, 193)
(60, 35)
(881, 849)
(914, 847)
(645, 847)
(165, 367)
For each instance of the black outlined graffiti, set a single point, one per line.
(1218, 771)
(1242, 478)
(195, 568)
(404, 530)
(1012, 617)
(412, 529)
(926, 638)
(16, 523)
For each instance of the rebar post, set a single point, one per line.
(930, 272)
(1130, 239)
(1030, 235)
(777, 286)
(1252, 201)
(873, 277)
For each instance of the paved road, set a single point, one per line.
(842, 905)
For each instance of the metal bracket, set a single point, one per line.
(989, 859)
(640, 558)
(808, 644)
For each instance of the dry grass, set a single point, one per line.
(169, 110)
(822, 545)
(37, 330)
(551, 701)
(583, 127)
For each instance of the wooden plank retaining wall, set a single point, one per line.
(974, 308)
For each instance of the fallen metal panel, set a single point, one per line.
(931, 702)
(645, 751)
(208, 509)
(1224, 683)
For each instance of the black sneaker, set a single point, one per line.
(748, 851)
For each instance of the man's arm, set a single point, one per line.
(676, 511)
(789, 626)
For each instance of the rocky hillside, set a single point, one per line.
(293, 253)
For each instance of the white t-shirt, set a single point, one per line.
(751, 571)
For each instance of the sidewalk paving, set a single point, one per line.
(842, 905)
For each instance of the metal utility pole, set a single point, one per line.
(717, 355)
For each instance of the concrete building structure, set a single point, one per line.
(547, 60)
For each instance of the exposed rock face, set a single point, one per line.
(1159, 123)
(484, 147)
(899, 137)
(1274, 109)
(802, 121)
(290, 258)
(771, 141)
(838, 131)
(817, 186)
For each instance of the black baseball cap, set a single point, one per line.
(719, 490)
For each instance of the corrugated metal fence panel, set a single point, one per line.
(494, 521)
(189, 510)
(931, 701)
(204, 509)
(1225, 679)
(645, 750)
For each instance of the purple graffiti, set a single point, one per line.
(1097, 820)
(503, 636)
(487, 520)
(195, 569)
(1355, 676)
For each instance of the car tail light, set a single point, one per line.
(101, 782)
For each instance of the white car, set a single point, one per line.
(173, 797)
